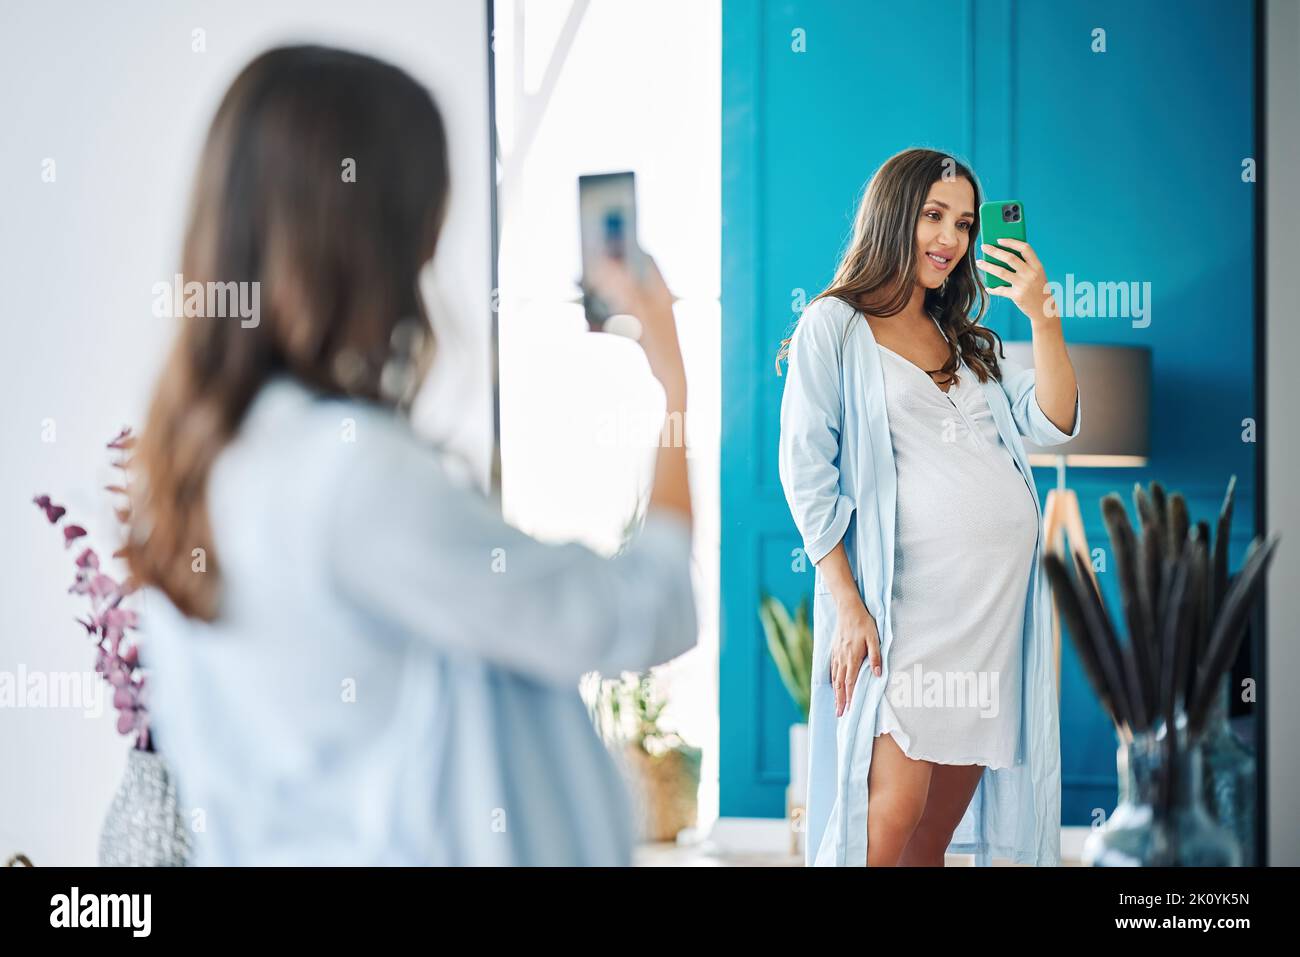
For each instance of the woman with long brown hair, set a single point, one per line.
(354, 659)
(934, 720)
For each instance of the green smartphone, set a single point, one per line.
(1004, 219)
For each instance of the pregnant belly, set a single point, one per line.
(961, 574)
(975, 523)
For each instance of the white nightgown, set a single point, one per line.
(966, 532)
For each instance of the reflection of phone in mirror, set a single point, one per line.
(607, 216)
(1001, 220)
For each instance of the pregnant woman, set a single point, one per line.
(934, 724)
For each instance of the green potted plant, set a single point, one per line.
(664, 769)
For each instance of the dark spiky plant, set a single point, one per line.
(1185, 621)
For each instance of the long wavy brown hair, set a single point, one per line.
(324, 179)
(878, 270)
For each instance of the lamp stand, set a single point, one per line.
(1062, 527)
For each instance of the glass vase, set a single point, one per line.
(1229, 776)
(144, 826)
(1161, 820)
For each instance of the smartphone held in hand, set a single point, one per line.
(607, 217)
(1004, 219)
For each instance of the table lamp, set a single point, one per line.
(1115, 403)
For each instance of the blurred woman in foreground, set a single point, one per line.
(354, 659)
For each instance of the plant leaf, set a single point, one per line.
(1072, 612)
(1230, 626)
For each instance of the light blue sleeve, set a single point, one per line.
(1018, 382)
(412, 546)
(811, 418)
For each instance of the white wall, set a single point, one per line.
(1282, 452)
(116, 96)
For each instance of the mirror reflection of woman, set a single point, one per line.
(902, 460)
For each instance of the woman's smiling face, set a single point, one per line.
(943, 231)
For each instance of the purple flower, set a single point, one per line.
(126, 721)
(114, 623)
(52, 512)
(132, 713)
(102, 586)
(117, 658)
(123, 440)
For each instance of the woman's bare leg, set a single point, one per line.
(897, 791)
(951, 788)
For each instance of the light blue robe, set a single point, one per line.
(837, 468)
(393, 679)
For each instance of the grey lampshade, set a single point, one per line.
(1115, 405)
